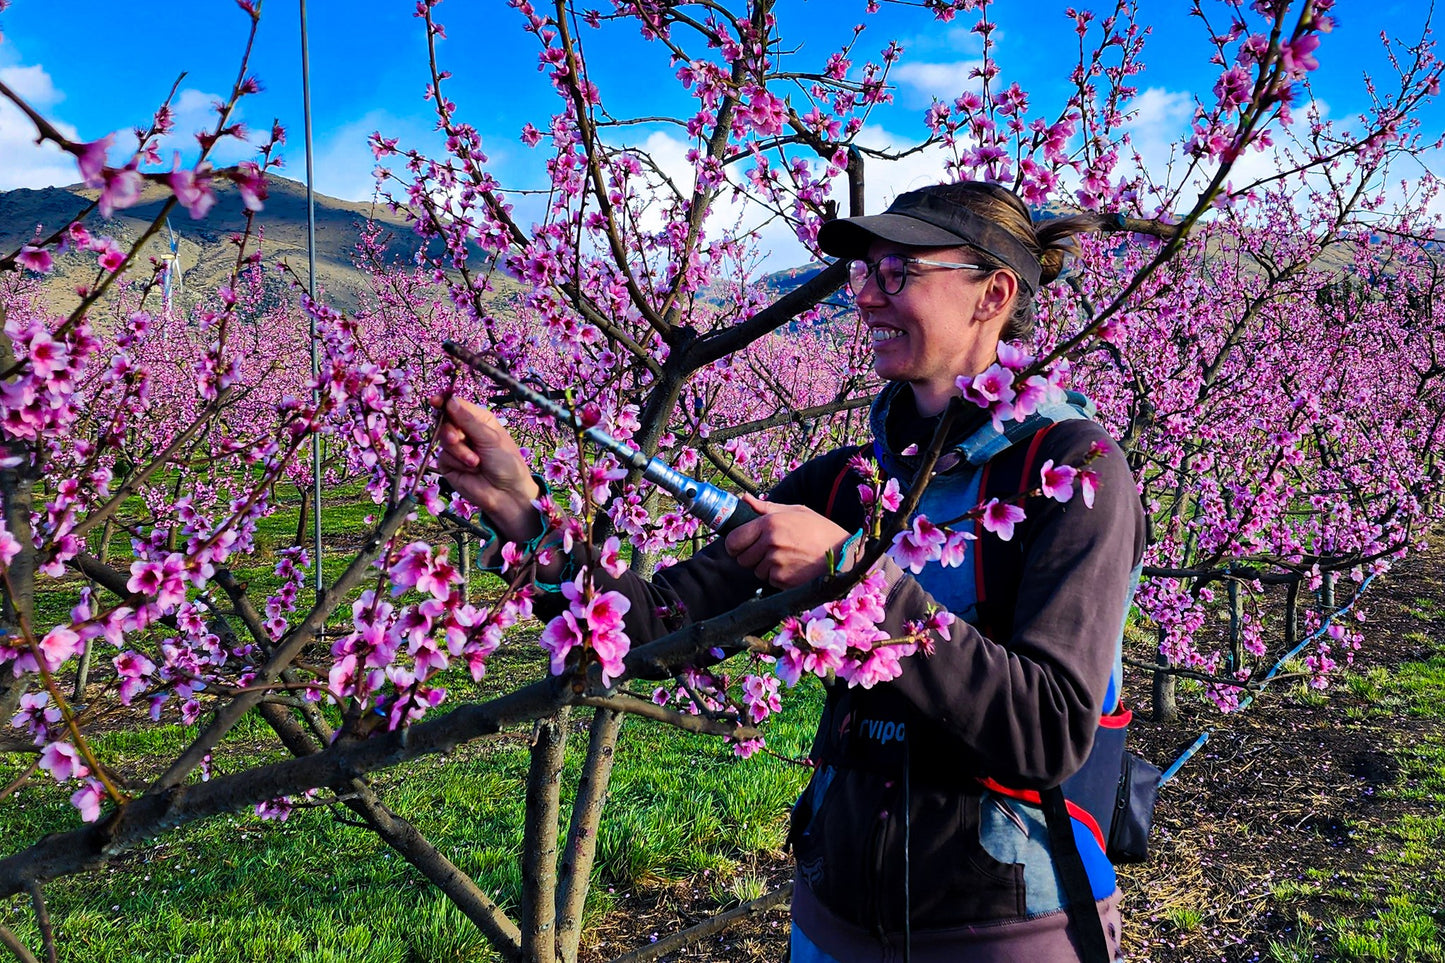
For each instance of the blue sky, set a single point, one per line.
(97, 67)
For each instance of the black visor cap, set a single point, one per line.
(924, 219)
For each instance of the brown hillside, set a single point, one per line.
(205, 255)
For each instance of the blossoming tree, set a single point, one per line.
(641, 309)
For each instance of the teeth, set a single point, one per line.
(879, 335)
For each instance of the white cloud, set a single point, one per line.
(33, 84)
(344, 162)
(942, 80)
(1159, 120)
(26, 163)
(885, 179)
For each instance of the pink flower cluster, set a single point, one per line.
(591, 627)
(1005, 399)
(843, 637)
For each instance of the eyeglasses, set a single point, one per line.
(892, 271)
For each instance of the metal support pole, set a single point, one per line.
(311, 291)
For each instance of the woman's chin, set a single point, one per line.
(890, 369)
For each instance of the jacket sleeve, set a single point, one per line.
(1027, 706)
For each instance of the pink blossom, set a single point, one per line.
(955, 550)
(992, 389)
(1012, 357)
(111, 258)
(9, 546)
(164, 581)
(1088, 485)
(251, 182)
(611, 648)
(37, 714)
(63, 761)
(760, 694)
(90, 158)
(192, 189)
(611, 557)
(47, 356)
(59, 644)
(1001, 517)
(1058, 483)
(88, 799)
(1298, 57)
(121, 188)
(416, 568)
(881, 665)
(35, 259)
(559, 637)
(275, 809)
(133, 670)
(599, 479)
(744, 748)
(891, 497)
(916, 546)
(939, 621)
(1032, 393)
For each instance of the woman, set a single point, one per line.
(909, 841)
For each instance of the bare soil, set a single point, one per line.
(1283, 792)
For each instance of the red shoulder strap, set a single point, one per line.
(980, 579)
(838, 482)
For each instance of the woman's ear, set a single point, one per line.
(997, 300)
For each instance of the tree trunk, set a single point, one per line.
(18, 590)
(303, 520)
(1291, 616)
(82, 672)
(539, 852)
(582, 836)
(1166, 709)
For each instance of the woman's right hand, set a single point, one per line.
(482, 462)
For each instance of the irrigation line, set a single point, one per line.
(319, 583)
(1173, 770)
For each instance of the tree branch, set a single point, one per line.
(289, 647)
(12, 943)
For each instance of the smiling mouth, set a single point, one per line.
(882, 335)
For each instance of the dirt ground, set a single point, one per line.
(1281, 792)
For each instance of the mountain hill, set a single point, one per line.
(204, 252)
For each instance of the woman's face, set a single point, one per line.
(943, 323)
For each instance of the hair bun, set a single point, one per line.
(1056, 240)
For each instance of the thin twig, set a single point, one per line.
(707, 927)
(42, 921)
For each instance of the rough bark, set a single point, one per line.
(578, 857)
(1166, 709)
(539, 855)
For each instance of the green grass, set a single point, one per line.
(314, 888)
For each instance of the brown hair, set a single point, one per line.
(1049, 241)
